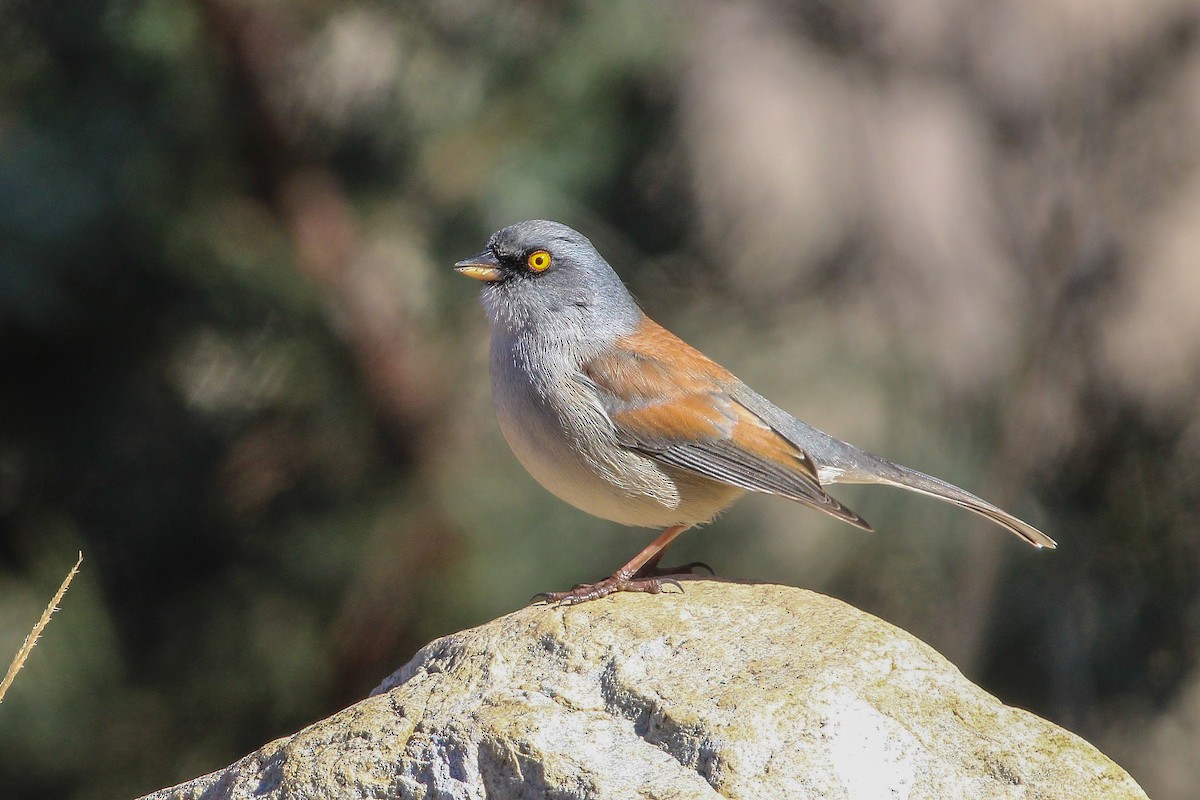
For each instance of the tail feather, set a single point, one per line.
(890, 474)
(839, 462)
(985, 509)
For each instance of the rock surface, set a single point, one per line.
(734, 691)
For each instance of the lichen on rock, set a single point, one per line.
(726, 691)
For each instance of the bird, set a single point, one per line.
(616, 415)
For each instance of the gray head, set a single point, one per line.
(542, 275)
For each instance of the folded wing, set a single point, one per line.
(670, 402)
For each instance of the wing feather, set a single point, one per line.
(669, 402)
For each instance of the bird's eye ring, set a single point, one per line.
(538, 261)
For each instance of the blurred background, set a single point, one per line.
(241, 377)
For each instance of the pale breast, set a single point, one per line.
(565, 441)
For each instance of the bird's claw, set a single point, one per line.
(594, 591)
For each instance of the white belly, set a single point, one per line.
(566, 442)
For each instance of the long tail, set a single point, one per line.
(886, 473)
(915, 481)
(839, 462)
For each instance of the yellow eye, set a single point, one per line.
(538, 261)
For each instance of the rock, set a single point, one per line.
(746, 691)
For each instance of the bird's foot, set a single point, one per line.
(584, 592)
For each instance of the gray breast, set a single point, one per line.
(562, 436)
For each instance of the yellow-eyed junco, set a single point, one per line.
(620, 418)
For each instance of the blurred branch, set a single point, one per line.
(1071, 265)
(260, 40)
(393, 360)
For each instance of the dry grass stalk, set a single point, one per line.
(31, 639)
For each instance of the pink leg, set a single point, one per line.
(623, 580)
